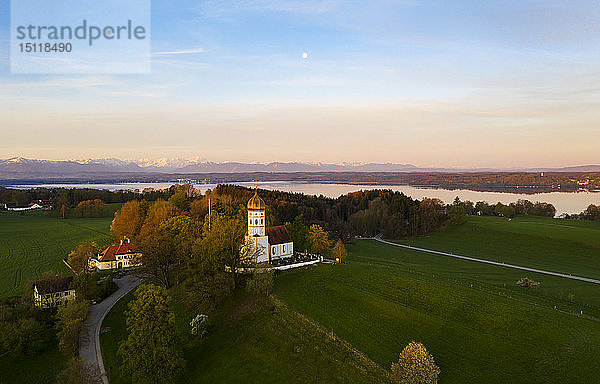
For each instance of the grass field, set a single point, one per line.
(558, 245)
(254, 340)
(34, 242)
(478, 324)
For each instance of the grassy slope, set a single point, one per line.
(255, 341)
(558, 245)
(34, 242)
(479, 326)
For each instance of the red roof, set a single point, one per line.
(278, 235)
(110, 253)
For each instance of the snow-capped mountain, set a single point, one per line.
(23, 167)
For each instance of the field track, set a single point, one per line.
(586, 279)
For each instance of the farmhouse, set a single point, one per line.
(53, 292)
(117, 256)
(266, 243)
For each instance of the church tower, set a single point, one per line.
(257, 241)
(256, 216)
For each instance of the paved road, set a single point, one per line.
(588, 280)
(89, 341)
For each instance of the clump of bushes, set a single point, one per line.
(528, 283)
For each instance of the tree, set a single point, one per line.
(79, 257)
(129, 219)
(299, 233)
(339, 251)
(180, 200)
(319, 240)
(152, 352)
(78, 371)
(457, 214)
(91, 208)
(22, 337)
(217, 251)
(415, 366)
(63, 211)
(71, 319)
(262, 280)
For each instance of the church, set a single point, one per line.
(267, 244)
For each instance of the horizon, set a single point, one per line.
(163, 162)
(450, 85)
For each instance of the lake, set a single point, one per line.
(564, 202)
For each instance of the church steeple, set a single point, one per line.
(256, 215)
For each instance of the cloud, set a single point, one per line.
(179, 52)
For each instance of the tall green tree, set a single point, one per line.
(299, 233)
(151, 353)
(71, 319)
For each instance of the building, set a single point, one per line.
(30, 207)
(117, 256)
(265, 244)
(53, 292)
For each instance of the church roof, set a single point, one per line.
(278, 235)
(256, 203)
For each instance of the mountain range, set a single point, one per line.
(22, 166)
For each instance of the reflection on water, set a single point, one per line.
(564, 202)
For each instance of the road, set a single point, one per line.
(563, 275)
(89, 341)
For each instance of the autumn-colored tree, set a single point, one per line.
(415, 366)
(152, 352)
(319, 240)
(91, 208)
(339, 251)
(128, 220)
(63, 211)
(78, 258)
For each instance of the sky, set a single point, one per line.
(432, 83)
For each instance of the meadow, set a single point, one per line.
(35, 242)
(558, 245)
(478, 324)
(252, 340)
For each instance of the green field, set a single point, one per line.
(478, 324)
(34, 242)
(254, 340)
(557, 245)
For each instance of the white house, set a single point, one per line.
(266, 243)
(53, 292)
(117, 256)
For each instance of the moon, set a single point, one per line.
(305, 55)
